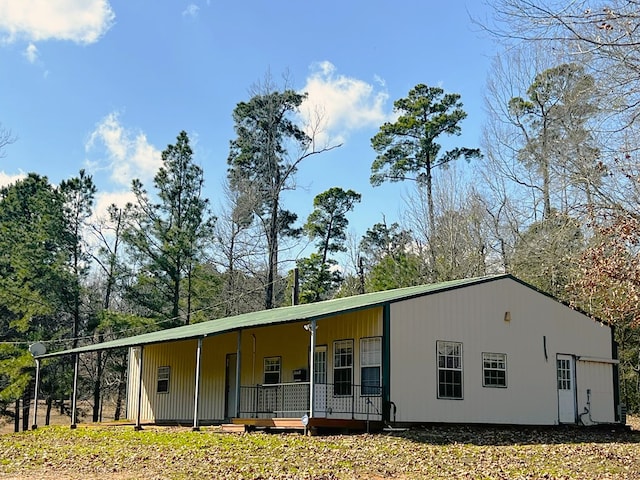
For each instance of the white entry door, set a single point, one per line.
(320, 381)
(565, 369)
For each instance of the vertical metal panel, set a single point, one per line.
(593, 382)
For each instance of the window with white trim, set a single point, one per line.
(370, 365)
(342, 367)
(449, 369)
(564, 373)
(494, 370)
(164, 375)
(271, 370)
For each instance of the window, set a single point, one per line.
(320, 365)
(564, 373)
(370, 365)
(449, 369)
(342, 367)
(271, 370)
(494, 370)
(164, 374)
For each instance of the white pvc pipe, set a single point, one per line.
(75, 390)
(138, 426)
(197, 392)
(34, 425)
(312, 372)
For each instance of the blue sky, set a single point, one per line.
(106, 85)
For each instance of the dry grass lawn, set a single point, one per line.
(452, 452)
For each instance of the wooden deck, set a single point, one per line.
(315, 424)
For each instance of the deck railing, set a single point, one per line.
(347, 401)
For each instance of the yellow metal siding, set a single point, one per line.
(290, 342)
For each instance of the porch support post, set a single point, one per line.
(74, 395)
(197, 393)
(386, 363)
(238, 365)
(138, 425)
(312, 354)
(34, 425)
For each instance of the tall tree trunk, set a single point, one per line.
(26, 404)
(47, 416)
(97, 384)
(16, 418)
(272, 242)
(121, 393)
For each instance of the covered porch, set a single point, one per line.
(291, 400)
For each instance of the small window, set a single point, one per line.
(370, 365)
(564, 373)
(342, 367)
(494, 370)
(164, 374)
(449, 369)
(271, 370)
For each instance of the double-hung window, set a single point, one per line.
(370, 365)
(342, 367)
(271, 370)
(164, 375)
(494, 370)
(449, 369)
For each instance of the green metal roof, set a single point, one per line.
(274, 316)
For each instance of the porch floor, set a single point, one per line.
(315, 424)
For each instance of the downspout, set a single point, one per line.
(238, 376)
(34, 425)
(138, 426)
(196, 398)
(75, 390)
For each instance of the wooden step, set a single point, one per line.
(233, 428)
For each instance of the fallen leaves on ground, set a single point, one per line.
(451, 452)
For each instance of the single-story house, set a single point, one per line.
(489, 350)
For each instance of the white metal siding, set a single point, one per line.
(596, 378)
(475, 316)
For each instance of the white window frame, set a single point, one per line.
(343, 361)
(272, 365)
(449, 363)
(164, 378)
(371, 359)
(494, 363)
(563, 369)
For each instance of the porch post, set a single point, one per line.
(138, 426)
(34, 425)
(238, 364)
(197, 394)
(312, 369)
(386, 364)
(74, 395)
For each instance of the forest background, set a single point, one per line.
(552, 198)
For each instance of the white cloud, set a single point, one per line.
(31, 53)
(105, 199)
(129, 153)
(7, 179)
(191, 10)
(80, 21)
(344, 103)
